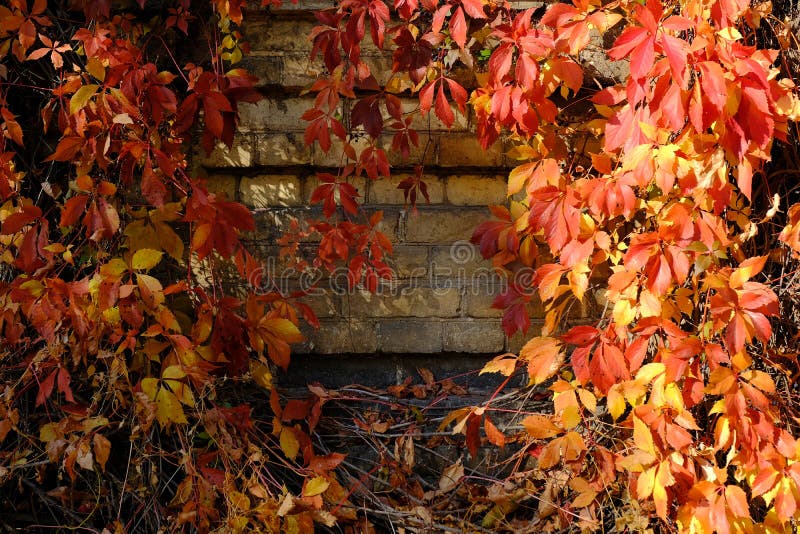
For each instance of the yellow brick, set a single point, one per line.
(472, 190)
(270, 190)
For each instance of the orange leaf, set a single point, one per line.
(540, 427)
(544, 357)
(493, 434)
(102, 450)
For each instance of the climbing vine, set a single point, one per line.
(138, 389)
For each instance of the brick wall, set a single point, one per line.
(440, 298)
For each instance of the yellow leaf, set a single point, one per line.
(169, 240)
(238, 500)
(663, 479)
(168, 408)
(642, 436)
(624, 313)
(616, 402)
(81, 97)
(115, 267)
(571, 417)
(503, 364)
(588, 399)
(146, 258)
(150, 290)
(315, 486)
(50, 431)
(649, 371)
(289, 444)
(283, 328)
(730, 34)
(34, 287)
(95, 67)
(760, 379)
(722, 433)
(182, 391)
(261, 374)
(518, 177)
(649, 304)
(578, 280)
(644, 485)
(174, 372)
(150, 387)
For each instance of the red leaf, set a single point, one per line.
(458, 93)
(295, 410)
(366, 112)
(676, 51)
(63, 384)
(28, 253)
(426, 97)
(474, 8)
(324, 464)
(642, 58)
(627, 41)
(213, 106)
(72, 210)
(458, 28)
(473, 434)
(16, 221)
(500, 62)
(153, 188)
(581, 336)
(443, 109)
(46, 388)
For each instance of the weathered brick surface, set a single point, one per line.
(473, 336)
(274, 114)
(334, 156)
(272, 34)
(267, 68)
(441, 295)
(271, 190)
(443, 226)
(409, 262)
(337, 336)
(299, 71)
(464, 150)
(518, 340)
(410, 336)
(430, 121)
(403, 300)
(239, 155)
(461, 259)
(324, 304)
(222, 183)
(282, 149)
(476, 190)
(478, 301)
